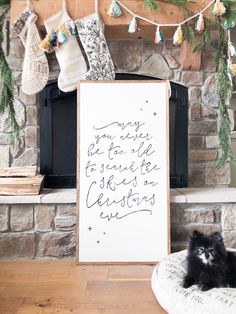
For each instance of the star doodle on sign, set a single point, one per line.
(154, 113)
(90, 228)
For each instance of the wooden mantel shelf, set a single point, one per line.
(115, 27)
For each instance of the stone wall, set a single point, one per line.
(37, 231)
(132, 56)
(48, 230)
(207, 218)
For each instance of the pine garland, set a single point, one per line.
(224, 91)
(7, 82)
(223, 84)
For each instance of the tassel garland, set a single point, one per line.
(219, 8)
(158, 36)
(178, 36)
(200, 25)
(133, 25)
(54, 40)
(114, 9)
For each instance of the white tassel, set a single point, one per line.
(200, 25)
(133, 25)
(232, 50)
(158, 36)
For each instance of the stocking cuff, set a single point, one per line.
(55, 39)
(19, 24)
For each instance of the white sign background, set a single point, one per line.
(123, 177)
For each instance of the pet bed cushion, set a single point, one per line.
(167, 280)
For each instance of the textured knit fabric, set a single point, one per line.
(91, 34)
(69, 55)
(35, 66)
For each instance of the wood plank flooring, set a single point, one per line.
(36, 287)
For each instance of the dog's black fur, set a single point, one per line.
(209, 265)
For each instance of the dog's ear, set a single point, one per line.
(196, 234)
(217, 236)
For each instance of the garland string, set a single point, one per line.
(165, 25)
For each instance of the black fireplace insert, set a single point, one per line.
(58, 134)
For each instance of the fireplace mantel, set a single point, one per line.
(116, 27)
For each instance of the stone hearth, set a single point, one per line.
(44, 226)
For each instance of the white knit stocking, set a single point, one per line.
(35, 66)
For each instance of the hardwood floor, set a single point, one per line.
(35, 287)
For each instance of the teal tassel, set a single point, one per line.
(61, 37)
(133, 25)
(158, 36)
(114, 9)
(70, 25)
(229, 24)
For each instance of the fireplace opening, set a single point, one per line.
(58, 130)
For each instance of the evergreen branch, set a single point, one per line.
(179, 2)
(7, 86)
(188, 33)
(230, 14)
(205, 40)
(151, 4)
(4, 2)
(224, 91)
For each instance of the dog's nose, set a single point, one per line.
(207, 254)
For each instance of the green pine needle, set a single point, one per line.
(230, 14)
(205, 40)
(179, 2)
(4, 2)
(7, 85)
(188, 33)
(224, 91)
(151, 4)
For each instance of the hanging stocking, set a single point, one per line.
(35, 66)
(60, 36)
(91, 33)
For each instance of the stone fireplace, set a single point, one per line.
(140, 57)
(45, 224)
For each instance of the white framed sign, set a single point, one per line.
(123, 172)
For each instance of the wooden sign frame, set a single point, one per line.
(94, 238)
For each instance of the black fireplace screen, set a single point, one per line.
(58, 135)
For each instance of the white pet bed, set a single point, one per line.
(167, 286)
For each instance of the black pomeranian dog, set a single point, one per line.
(209, 264)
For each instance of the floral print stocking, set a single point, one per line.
(91, 34)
